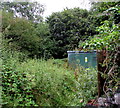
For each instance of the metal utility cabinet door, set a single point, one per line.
(80, 58)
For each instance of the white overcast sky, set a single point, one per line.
(59, 5)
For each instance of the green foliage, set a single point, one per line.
(37, 82)
(6, 19)
(86, 83)
(100, 7)
(108, 38)
(20, 35)
(67, 28)
(106, 11)
(56, 85)
(42, 30)
(16, 90)
(46, 43)
(29, 10)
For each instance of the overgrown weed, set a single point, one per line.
(37, 82)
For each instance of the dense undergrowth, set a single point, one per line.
(36, 82)
(39, 82)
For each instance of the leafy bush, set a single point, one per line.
(20, 35)
(86, 83)
(51, 85)
(16, 90)
(36, 82)
(55, 85)
(108, 38)
(67, 28)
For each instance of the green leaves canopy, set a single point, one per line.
(108, 38)
(68, 28)
(20, 34)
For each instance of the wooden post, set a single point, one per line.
(101, 55)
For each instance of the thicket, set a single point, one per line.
(60, 32)
(40, 82)
(69, 27)
(36, 82)
(108, 40)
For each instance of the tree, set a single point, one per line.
(68, 28)
(20, 34)
(47, 45)
(106, 11)
(31, 11)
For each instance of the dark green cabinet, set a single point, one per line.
(80, 58)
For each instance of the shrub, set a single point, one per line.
(55, 85)
(36, 82)
(16, 90)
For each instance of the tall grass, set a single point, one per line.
(48, 83)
